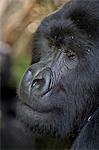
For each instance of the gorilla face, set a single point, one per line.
(59, 90)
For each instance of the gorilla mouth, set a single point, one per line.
(25, 101)
(38, 110)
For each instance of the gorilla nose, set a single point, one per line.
(41, 83)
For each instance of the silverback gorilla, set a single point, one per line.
(59, 93)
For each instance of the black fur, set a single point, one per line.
(89, 136)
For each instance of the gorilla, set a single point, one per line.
(59, 92)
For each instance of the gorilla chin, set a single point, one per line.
(43, 119)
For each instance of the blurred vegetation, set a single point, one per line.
(18, 20)
(20, 66)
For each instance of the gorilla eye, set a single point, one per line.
(70, 54)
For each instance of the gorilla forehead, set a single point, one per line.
(61, 34)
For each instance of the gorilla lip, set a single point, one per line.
(38, 110)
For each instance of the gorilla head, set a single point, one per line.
(59, 91)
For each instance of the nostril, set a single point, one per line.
(41, 83)
(38, 82)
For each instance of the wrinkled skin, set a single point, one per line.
(60, 90)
